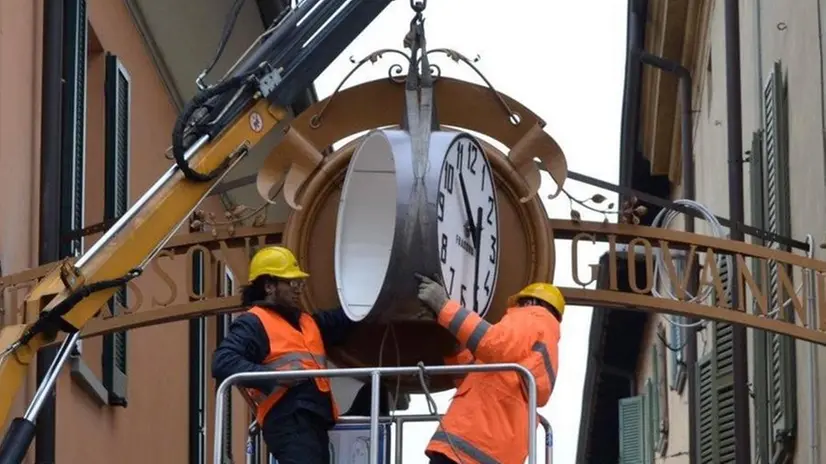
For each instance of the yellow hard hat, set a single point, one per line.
(277, 262)
(541, 291)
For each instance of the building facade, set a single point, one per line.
(89, 94)
(663, 389)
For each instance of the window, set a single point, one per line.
(715, 388)
(112, 93)
(774, 355)
(116, 203)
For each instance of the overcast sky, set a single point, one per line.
(564, 60)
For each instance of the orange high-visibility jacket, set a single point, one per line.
(487, 421)
(290, 349)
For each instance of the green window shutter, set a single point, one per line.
(632, 430)
(723, 372)
(715, 387)
(715, 415)
(780, 350)
(759, 337)
(706, 413)
(73, 143)
(116, 203)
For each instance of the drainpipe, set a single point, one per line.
(742, 433)
(50, 169)
(688, 184)
(814, 426)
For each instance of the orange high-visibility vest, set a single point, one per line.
(487, 421)
(290, 349)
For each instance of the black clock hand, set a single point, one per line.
(478, 240)
(468, 212)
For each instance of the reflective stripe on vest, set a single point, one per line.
(542, 349)
(287, 362)
(463, 446)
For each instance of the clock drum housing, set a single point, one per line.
(386, 229)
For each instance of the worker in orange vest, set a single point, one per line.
(275, 334)
(487, 419)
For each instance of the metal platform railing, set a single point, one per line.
(375, 374)
(399, 420)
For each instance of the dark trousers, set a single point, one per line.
(299, 438)
(439, 458)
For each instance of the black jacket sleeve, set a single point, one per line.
(243, 350)
(334, 326)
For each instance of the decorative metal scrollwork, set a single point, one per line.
(397, 73)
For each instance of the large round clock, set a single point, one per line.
(402, 213)
(468, 224)
(526, 244)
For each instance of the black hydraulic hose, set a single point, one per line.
(50, 321)
(229, 25)
(199, 101)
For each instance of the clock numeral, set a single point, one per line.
(492, 249)
(460, 154)
(490, 211)
(448, 174)
(452, 276)
(440, 203)
(462, 295)
(472, 156)
(487, 284)
(484, 169)
(443, 249)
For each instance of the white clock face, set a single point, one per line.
(468, 225)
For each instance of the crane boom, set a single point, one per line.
(240, 111)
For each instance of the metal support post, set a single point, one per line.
(51, 377)
(549, 439)
(399, 441)
(374, 417)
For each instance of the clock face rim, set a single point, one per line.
(451, 153)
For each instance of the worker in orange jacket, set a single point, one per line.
(487, 420)
(275, 334)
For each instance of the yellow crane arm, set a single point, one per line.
(130, 243)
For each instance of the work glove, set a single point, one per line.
(431, 293)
